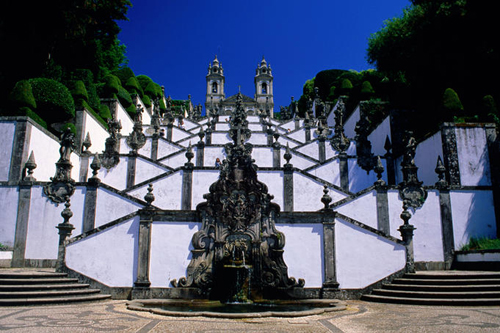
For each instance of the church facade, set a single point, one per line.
(216, 98)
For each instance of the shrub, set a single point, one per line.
(143, 81)
(104, 112)
(79, 91)
(25, 111)
(71, 126)
(111, 86)
(124, 97)
(147, 101)
(345, 87)
(54, 101)
(133, 86)
(451, 104)
(367, 90)
(87, 77)
(489, 108)
(481, 243)
(22, 95)
(123, 74)
(153, 90)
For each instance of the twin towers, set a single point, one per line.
(263, 97)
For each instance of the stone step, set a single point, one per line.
(31, 275)
(456, 275)
(43, 280)
(41, 287)
(431, 288)
(432, 301)
(437, 294)
(53, 300)
(32, 287)
(443, 281)
(47, 293)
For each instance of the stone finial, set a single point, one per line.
(326, 199)
(201, 134)
(30, 165)
(287, 156)
(387, 146)
(440, 170)
(86, 144)
(379, 169)
(149, 197)
(95, 166)
(67, 213)
(189, 154)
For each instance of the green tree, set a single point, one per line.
(452, 106)
(436, 44)
(56, 38)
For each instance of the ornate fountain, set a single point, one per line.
(237, 254)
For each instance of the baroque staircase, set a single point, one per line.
(27, 287)
(441, 288)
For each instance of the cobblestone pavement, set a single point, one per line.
(112, 316)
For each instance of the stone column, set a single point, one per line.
(344, 171)
(65, 230)
(330, 279)
(131, 168)
(288, 182)
(21, 234)
(406, 231)
(142, 283)
(321, 152)
(450, 153)
(89, 209)
(276, 155)
(494, 157)
(200, 153)
(23, 209)
(383, 210)
(187, 181)
(154, 146)
(446, 215)
(22, 138)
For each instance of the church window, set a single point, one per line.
(214, 87)
(264, 88)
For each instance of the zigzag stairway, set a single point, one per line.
(441, 288)
(33, 287)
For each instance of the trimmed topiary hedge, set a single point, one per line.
(111, 86)
(133, 86)
(54, 101)
(79, 91)
(22, 95)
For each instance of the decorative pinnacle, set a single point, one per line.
(67, 213)
(326, 199)
(95, 166)
(30, 165)
(189, 153)
(379, 169)
(440, 170)
(149, 197)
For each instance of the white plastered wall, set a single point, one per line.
(170, 251)
(473, 216)
(44, 215)
(360, 266)
(98, 134)
(303, 252)
(98, 257)
(473, 156)
(7, 131)
(111, 206)
(8, 206)
(167, 191)
(362, 209)
(116, 176)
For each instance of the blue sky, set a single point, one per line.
(173, 41)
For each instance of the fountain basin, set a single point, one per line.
(217, 309)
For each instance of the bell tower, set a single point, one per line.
(264, 86)
(215, 84)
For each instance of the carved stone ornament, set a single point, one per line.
(62, 186)
(111, 156)
(338, 141)
(238, 229)
(365, 158)
(411, 190)
(137, 139)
